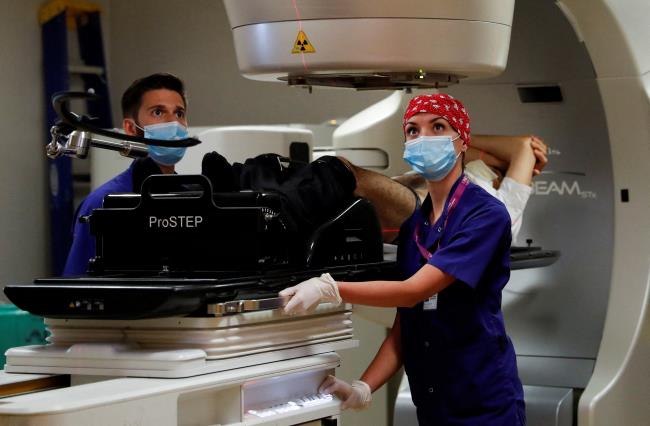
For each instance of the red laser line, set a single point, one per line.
(299, 19)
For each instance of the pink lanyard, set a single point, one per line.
(453, 202)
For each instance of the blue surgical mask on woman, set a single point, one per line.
(166, 155)
(431, 156)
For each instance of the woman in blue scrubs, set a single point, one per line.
(453, 254)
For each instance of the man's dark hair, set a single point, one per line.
(132, 97)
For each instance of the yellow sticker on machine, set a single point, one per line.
(302, 44)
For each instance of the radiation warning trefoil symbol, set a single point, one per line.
(302, 44)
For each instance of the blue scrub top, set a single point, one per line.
(83, 243)
(460, 363)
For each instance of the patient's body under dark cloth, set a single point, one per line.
(311, 193)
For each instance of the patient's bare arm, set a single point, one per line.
(393, 201)
(414, 181)
(518, 157)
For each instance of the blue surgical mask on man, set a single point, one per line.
(166, 155)
(431, 156)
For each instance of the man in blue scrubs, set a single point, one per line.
(153, 106)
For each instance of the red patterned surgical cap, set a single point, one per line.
(444, 106)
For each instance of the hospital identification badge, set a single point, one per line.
(431, 304)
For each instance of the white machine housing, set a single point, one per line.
(258, 367)
(277, 393)
(373, 138)
(411, 43)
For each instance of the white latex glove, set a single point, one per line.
(308, 294)
(356, 396)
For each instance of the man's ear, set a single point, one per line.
(464, 147)
(129, 127)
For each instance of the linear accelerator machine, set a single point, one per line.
(259, 367)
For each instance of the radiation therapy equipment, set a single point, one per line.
(582, 334)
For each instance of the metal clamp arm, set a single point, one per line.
(77, 144)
